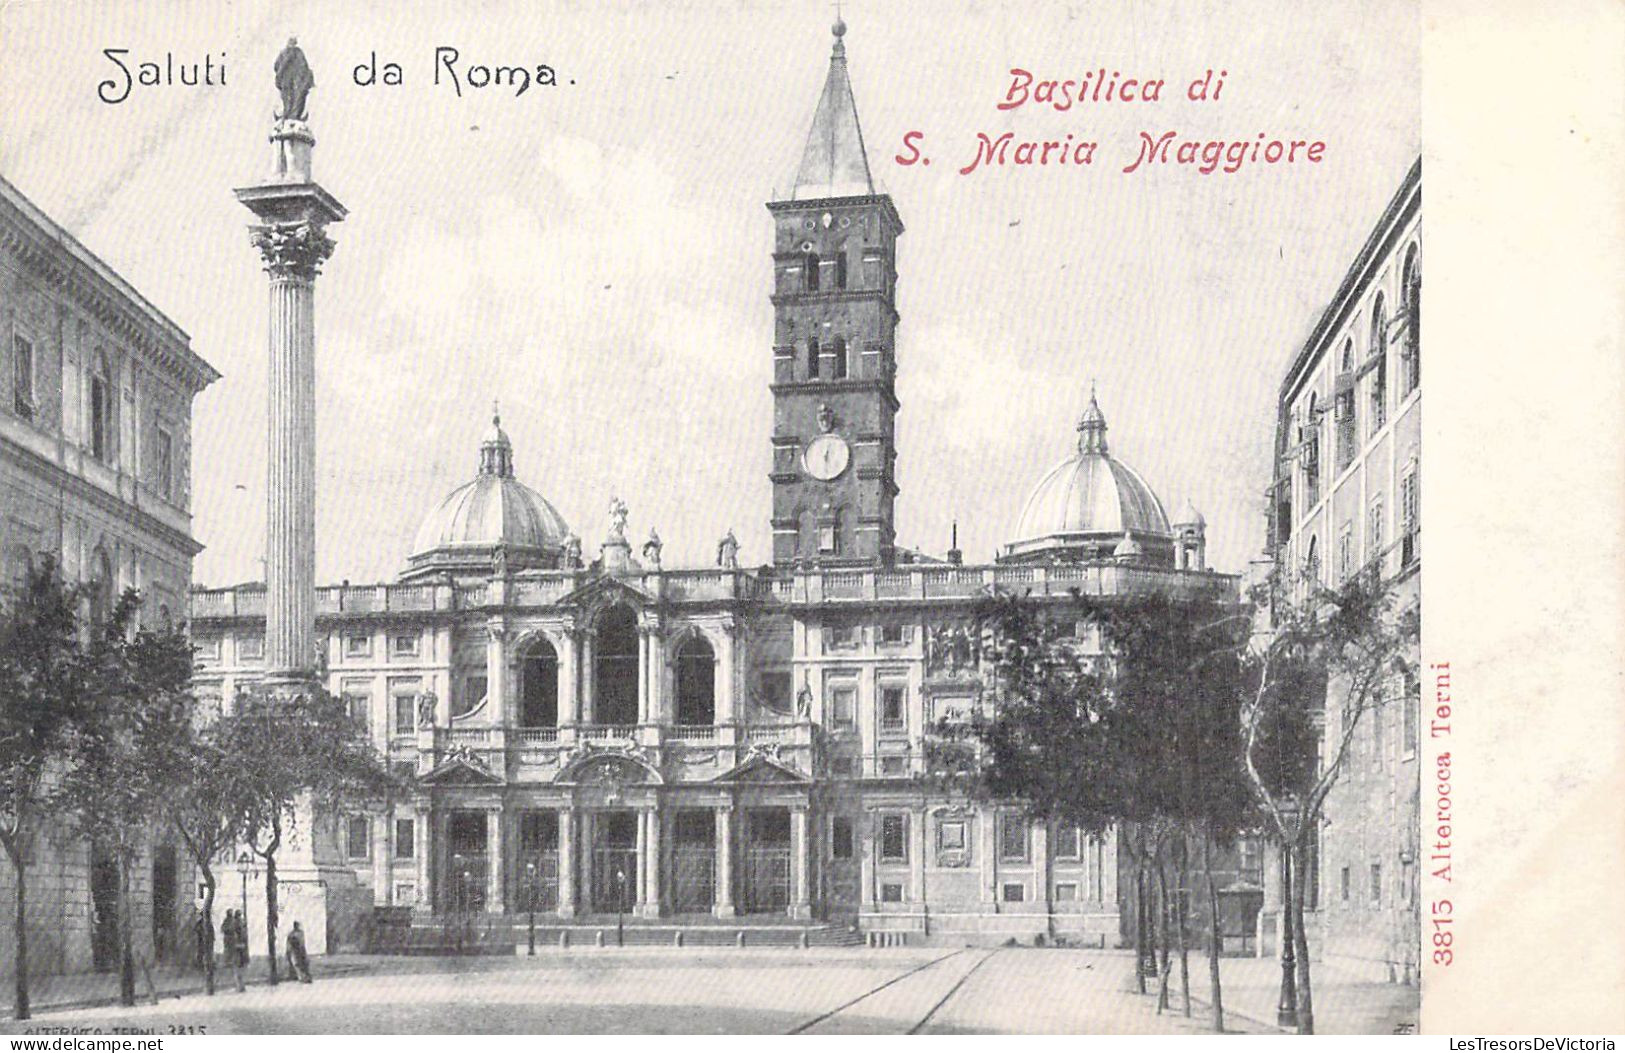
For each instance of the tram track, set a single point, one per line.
(936, 1005)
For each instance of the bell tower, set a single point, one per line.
(834, 349)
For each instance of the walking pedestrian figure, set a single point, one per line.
(203, 931)
(298, 960)
(234, 932)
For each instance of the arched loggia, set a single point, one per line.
(696, 682)
(616, 667)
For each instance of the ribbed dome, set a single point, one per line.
(494, 509)
(1089, 500)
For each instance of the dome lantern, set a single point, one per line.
(496, 452)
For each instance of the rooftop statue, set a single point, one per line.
(294, 80)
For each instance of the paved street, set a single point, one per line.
(670, 990)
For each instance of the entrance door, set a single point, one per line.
(163, 903)
(468, 866)
(537, 870)
(104, 943)
(766, 863)
(614, 862)
(694, 857)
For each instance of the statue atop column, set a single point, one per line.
(651, 549)
(294, 80)
(290, 136)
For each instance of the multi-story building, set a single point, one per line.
(95, 467)
(1346, 502)
(594, 734)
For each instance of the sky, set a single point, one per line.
(596, 255)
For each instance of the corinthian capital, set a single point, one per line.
(295, 249)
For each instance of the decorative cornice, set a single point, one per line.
(55, 258)
(292, 250)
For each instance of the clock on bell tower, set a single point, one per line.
(834, 324)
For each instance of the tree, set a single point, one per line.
(1142, 736)
(201, 805)
(1348, 643)
(110, 789)
(288, 750)
(43, 674)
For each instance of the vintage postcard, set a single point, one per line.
(784, 518)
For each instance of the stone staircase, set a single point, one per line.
(501, 934)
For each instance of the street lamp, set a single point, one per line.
(530, 876)
(620, 906)
(1286, 1011)
(244, 862)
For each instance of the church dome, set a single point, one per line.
(465, 530)
(1089, 504)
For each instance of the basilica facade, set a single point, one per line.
(594, 732)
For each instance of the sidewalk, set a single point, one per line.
(1345, 1004)
(53, 993)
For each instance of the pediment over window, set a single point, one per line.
(462, 767)
(611, 769)
(764, 766)
(605, 591)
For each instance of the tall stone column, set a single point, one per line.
(644, 650)
(724, 883)
(495, 902)
(584, 685)
(650, 907)
(291, 235)
(567, 681)
(567, 863)
(801, 892)
(496, 673)
(725, 713)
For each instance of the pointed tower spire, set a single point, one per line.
(834, 163)
(1092, 426)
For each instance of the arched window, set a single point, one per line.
(840, 270)
(840, 358)
(101, 411)
(696, 682)
(1379, 363)
(812, 358)
(1411, 366)
(615, 673)
(539, 686)
(812, 272)
(1311, 560)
